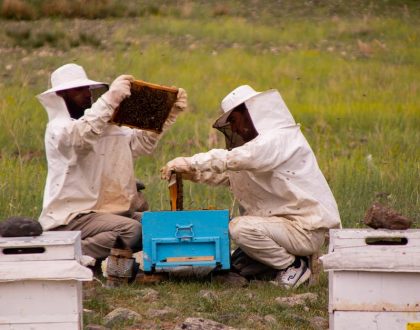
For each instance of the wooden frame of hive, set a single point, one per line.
(147, 108)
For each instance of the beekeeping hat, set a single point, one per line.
(238, 96)
(70, 76)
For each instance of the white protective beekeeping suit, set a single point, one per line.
(288, 205)
(90, 162)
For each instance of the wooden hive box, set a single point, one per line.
(374, 279)
(40, 282)
(147, 107)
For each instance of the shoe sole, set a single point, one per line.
(305, 276)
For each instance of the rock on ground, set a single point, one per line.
(299, 299)
(159, 313)
(193, 323)
(382, 216)
(319, 323)
(149, 294)
(270, 319)
(208, 295)
(119, 315)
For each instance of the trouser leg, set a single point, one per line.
(274, 241)
(100, 230)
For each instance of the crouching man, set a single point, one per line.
(91, 184)
(287, 205)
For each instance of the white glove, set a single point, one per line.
(180, 103)
(118, 91)
(179, 106)
(178, 165)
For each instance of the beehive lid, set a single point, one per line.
(373, 250)
(51, 245)
(44, 270)
(147, 107)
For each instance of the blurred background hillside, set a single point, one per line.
(347, 70)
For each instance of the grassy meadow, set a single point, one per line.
(347, 70)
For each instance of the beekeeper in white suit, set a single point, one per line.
(272, 171)
(91, 184)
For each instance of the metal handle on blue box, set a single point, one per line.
(184, 237)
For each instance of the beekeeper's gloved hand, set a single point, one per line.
(118, 91)
(178, 165)
(179, 106)
(180, 103)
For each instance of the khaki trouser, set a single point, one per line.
(274, 241)
(100, 230)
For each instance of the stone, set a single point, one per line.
(149, 294)
(299, 299)
(193, 323)
(319, 323)
(270, 319)
(18, 226)
(119, 315)
(208, 295)
(256, 320)
(159, 313)
(382, 216)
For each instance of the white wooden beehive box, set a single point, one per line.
(374, 279)
(40, 281)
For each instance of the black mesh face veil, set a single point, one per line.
(96, 91)
(232, 139)
(243, 128)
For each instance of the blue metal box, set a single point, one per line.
(185, 238)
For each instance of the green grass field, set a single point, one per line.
(348, 72)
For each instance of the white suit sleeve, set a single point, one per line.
(259, 155)
(207, 177)
(143, 142)
(82, 133)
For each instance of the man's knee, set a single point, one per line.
(133, 234)
(235, 228)
(241, 231)
(134, 227)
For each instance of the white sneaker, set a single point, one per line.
(292, 277)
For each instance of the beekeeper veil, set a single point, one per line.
(266, 109)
